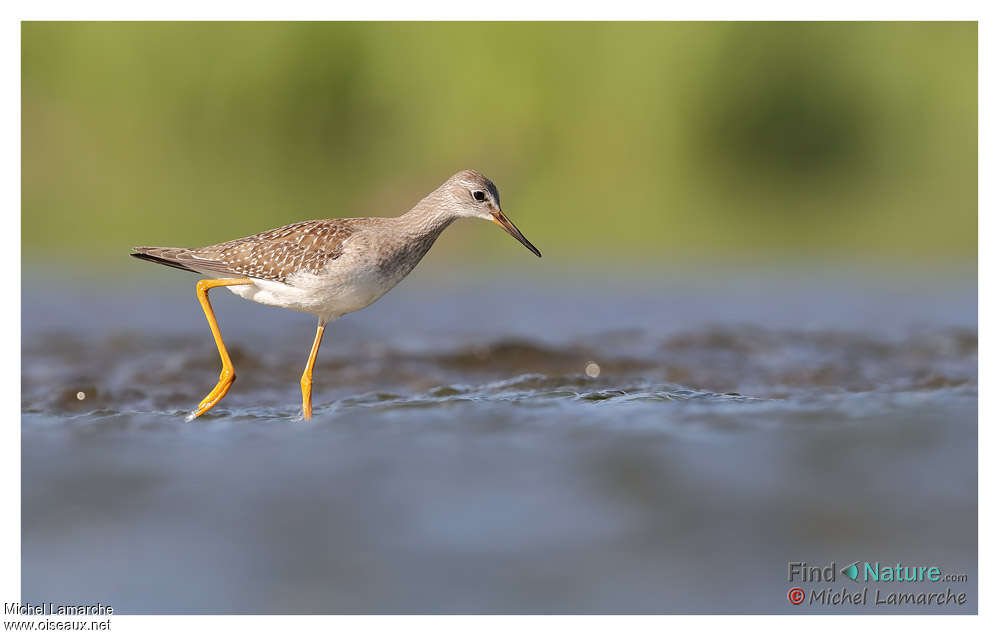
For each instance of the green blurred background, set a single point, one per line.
(640, 142)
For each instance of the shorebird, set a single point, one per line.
(328, 267)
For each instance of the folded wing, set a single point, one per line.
(272, 255)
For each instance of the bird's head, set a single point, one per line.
(471, 195)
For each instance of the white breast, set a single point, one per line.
(346, 285)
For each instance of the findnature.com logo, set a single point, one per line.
(864, 572)
(871, 573)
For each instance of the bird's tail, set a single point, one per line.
(169, 256)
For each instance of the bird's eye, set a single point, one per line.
(479, 195)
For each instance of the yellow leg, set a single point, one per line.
(307, 375)
(228, 374)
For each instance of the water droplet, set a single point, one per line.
(592, 369)
(80, 395)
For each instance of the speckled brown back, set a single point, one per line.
(272, 255)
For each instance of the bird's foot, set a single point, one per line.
(226, 378)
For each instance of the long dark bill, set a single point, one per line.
(501, 220)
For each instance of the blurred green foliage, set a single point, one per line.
(641, 141)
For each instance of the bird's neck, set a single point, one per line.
(428, 218)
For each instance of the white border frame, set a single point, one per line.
(507, 10)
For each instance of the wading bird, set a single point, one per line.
(329, 267)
